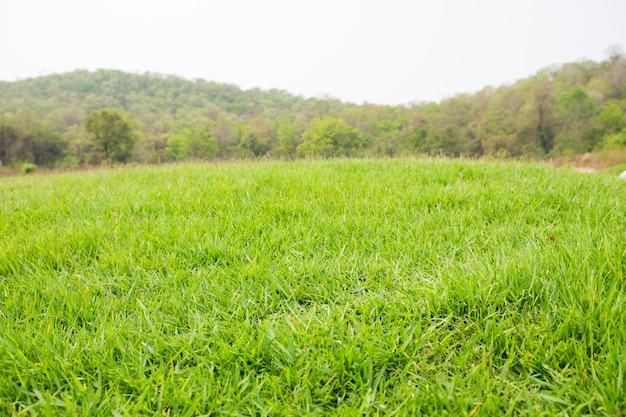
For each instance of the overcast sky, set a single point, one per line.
(389, 52)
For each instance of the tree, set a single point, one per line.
(225, 131)
(575, 112)
(112, 135)
(286, 134)
(8, 137)
(611, 121)
(330, 137)
(191, 143)
(24, 138)
(611, 117)
(615, 141)
(543, 101)
(257, 137)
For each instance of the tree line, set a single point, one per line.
(82, 117)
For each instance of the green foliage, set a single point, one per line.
(575, 105)
(354, 287)
(330, 137)
(250, 146)
(173, 149)
(287, 135)
(611, 118)
(503, 154)
(497, 132)
(575, 114)
(615, 140)
(112, 135)
(28, 168)
(24, 138)
(257, 137)
(8, 138)
(195, 143)
(566, 109)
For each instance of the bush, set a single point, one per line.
(615, 141)
(503, 153)
(28, 168)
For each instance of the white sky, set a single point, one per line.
(390, 52)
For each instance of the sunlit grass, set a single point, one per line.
(338, 287)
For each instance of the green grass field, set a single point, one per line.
(391, 287)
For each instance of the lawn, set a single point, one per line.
(342, 287)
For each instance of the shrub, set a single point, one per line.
(28, 168)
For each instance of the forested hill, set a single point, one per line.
(561, 110)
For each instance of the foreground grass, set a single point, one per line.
(342, 287)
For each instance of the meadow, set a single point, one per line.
(342, 287)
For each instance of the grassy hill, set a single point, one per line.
(342, 287)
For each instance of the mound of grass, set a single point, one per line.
(28, 168)
(337, 287)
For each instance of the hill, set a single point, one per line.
(562, 110)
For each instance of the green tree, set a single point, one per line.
(226, 132)
(173, 149)
(330, 137)
(40, 146)
(611, 117)
(8, 137)
(257, 137)
(543, 103)
(251, 146)
(286, 134)
(25, 138)
(611, 122)
(575, 112)
(112, 135)
(191, 143)
(615, 140)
